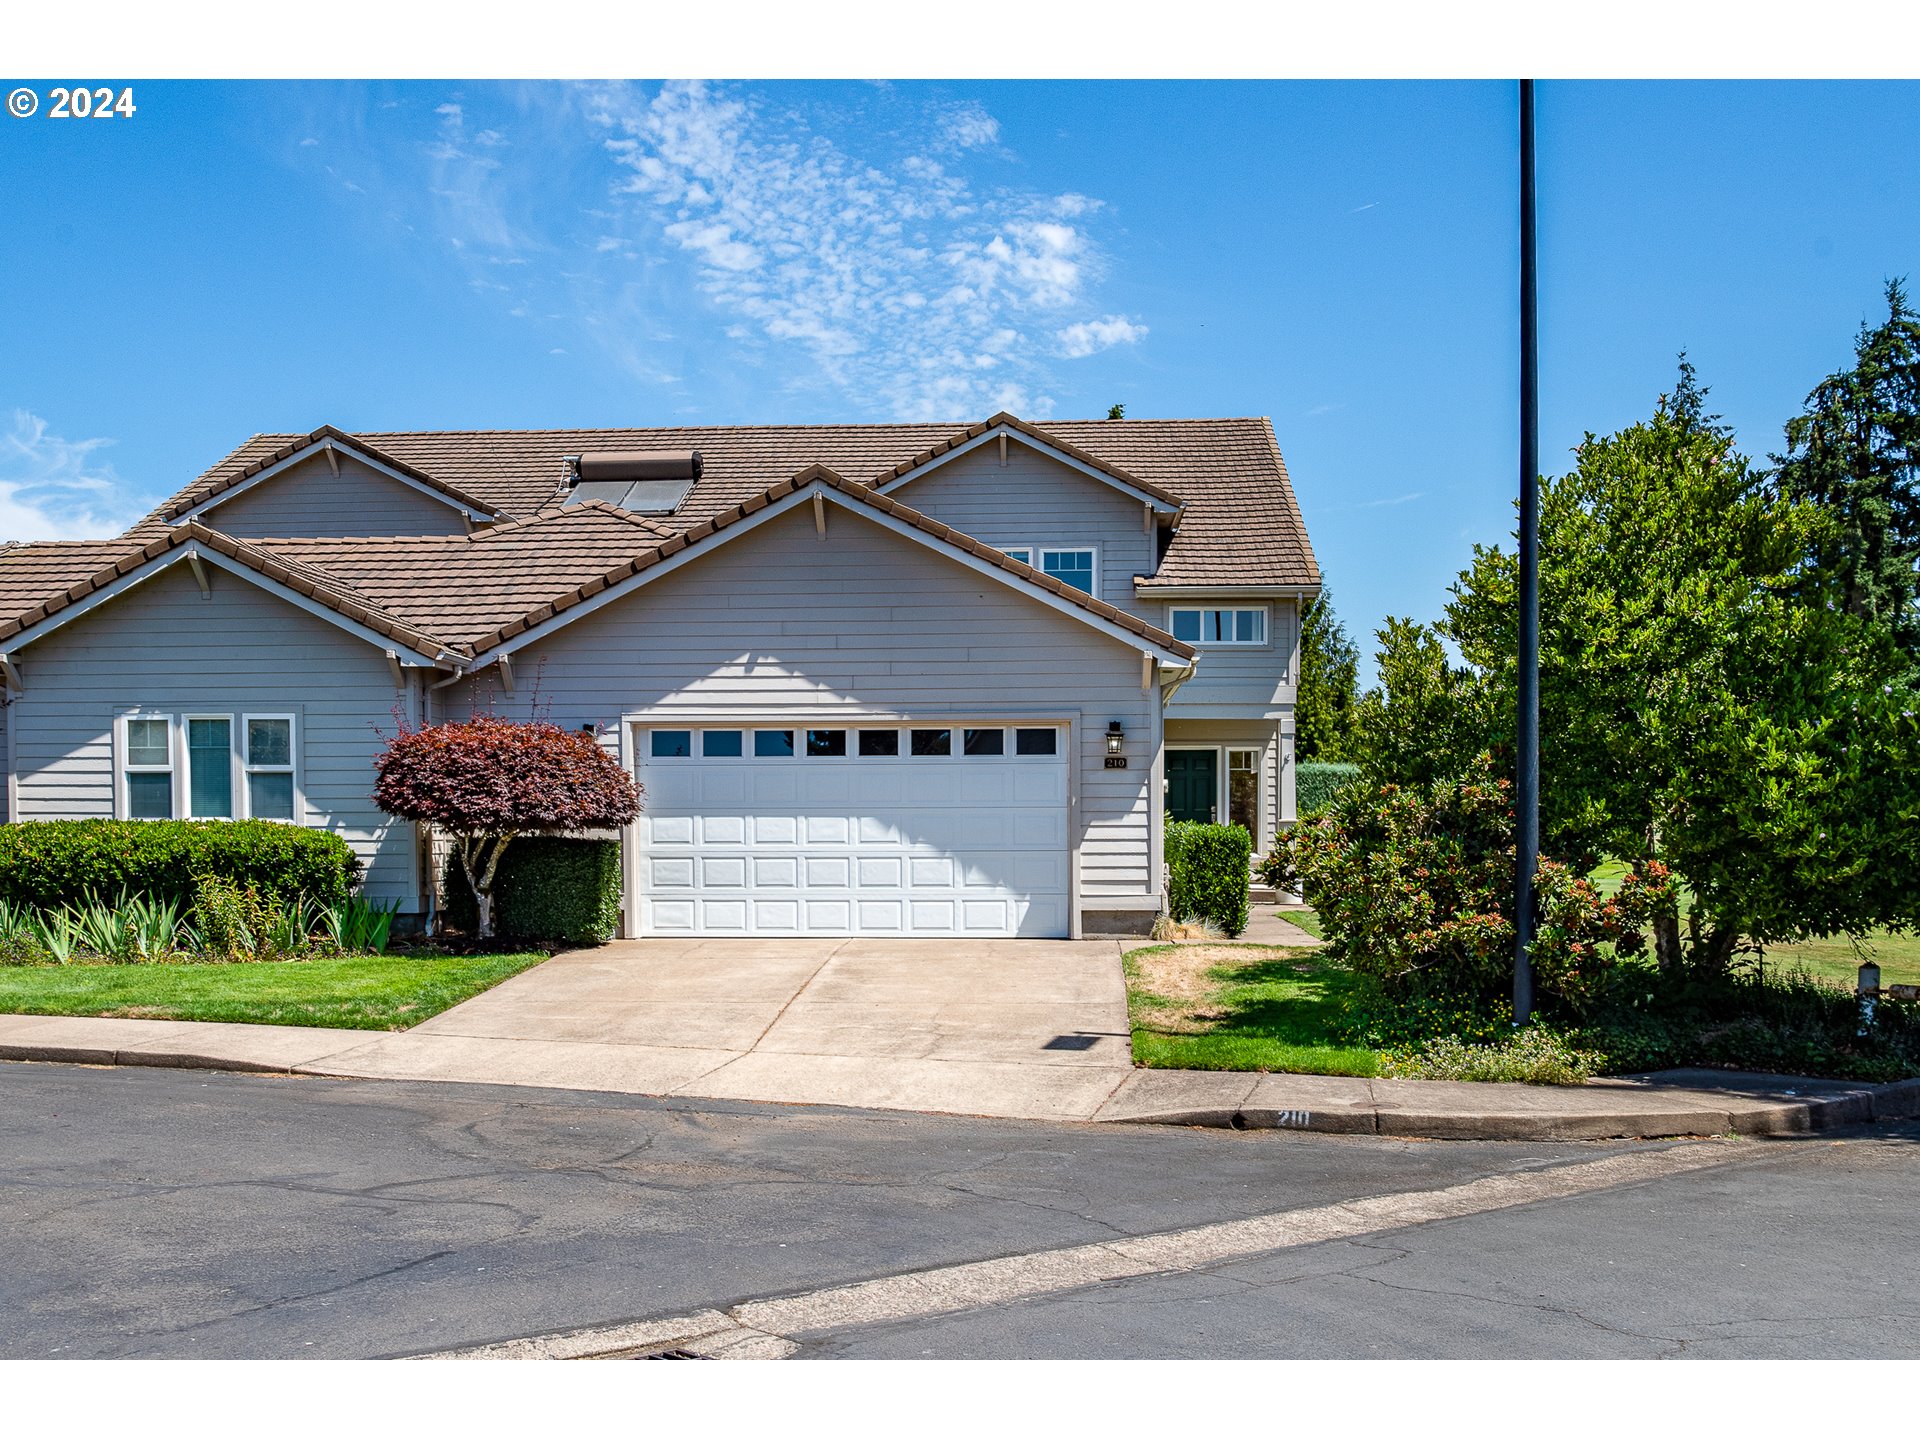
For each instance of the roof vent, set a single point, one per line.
(647, 482)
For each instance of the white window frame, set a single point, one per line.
(1036, 557)
(123, 763)
(235, 783)
(1266, 624)
(243, 801)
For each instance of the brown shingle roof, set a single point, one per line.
(1241, 525)
(466, 586)
(1014, 422)
(300, 578)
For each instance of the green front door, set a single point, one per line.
(1193, 784)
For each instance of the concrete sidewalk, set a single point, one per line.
(1691, 1102)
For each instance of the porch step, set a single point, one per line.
(1263, 895)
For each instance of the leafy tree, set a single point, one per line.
(1427, 718)
(487, 780)
(1116, 412)
(1696, 708)
(1329, 684)
(1855, 452)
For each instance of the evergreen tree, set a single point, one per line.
(1329, 688)
(1855, 453)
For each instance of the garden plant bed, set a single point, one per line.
(1240, 1007)
(348, 992)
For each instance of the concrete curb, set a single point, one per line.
(1663, 1105)
(1667, 1104)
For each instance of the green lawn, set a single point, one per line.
(1305, 919)
(352, 992)
(1239, 1007)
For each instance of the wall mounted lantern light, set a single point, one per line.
(1116, 736)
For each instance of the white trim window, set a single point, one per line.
(146, 766)
(1218, 627)
(210, 767)
(268, 762)
(1075, 565)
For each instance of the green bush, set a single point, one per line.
(1414, 887)
(1317, 782)
(548, 887)
(1533, 1056)
(237, 922)
(1209, 870)
(59, 862)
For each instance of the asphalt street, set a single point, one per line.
(158, 1212)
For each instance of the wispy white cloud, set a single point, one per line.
(1089, 337)
(52, 488)
(911, 291)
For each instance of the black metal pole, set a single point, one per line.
(1527, 781)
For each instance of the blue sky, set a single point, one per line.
(1339, 256)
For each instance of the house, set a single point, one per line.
(899, 679)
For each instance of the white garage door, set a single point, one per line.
(929, 830)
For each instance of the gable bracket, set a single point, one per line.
(820, 514)
(200, 575)
(11, 673)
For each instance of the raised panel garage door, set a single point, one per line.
(849, 831)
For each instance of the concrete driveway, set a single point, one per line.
(1020, 1028)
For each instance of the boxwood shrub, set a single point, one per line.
(1317, 782)
(1209, 868)
(548, 887)
(53, 862)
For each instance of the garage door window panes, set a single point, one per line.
(672, 744)
(827, 742)
(933, 742)
(876, 744)
(720, 744)
(985, 742)
(772, 744)
(1034, 742)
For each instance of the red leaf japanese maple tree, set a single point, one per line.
(487, 780)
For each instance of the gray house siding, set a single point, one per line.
(861, 622)
(1243, 682)
(1035, 500)
(163, 648)
(308, 499)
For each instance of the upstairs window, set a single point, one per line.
(1220, 627)
(1075, 566)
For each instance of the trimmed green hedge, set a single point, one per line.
(52, 862)
(1209, 868)
(547, 888)
(1316, 782)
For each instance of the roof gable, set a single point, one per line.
(1004, 426)
(326, 443)
(823, 486)
(194, 544)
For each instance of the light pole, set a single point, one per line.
(1527, 780)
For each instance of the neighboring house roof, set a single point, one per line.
(1240, 525)
(133, 561)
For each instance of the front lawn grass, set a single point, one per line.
(1240, 1007)
(345, 992)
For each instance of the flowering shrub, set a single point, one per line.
(487, 780)
(1414, 887)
